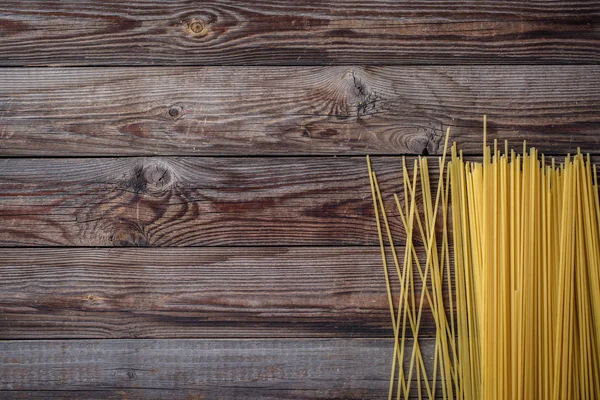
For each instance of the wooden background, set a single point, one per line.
(185, 211)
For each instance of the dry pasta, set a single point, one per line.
(510, 276)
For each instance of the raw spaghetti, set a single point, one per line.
(505, 259)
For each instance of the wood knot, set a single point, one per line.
(131, 236)
(365, 99)
(418, 145)
(352, 95)
(153, 177)
(175, 111)
(197, 28)
(131, 375)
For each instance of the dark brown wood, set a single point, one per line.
(194, 201)
(179, 394)
(295, 110)
(305, 32)
(202, 369)
(181, 202)
(197, 293)
(285, 297)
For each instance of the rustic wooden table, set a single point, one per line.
(185, 211)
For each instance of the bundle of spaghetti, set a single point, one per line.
(518, 315)
(527, 274)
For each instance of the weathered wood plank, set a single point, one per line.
(211, 369)
(158, 394)
(190, 201)
(270, 32)
(196, 293)
(295, 110)
(193, 201)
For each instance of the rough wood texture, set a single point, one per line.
(207, 369)
(259, 78)
(306, 32)
(178, 394)
(196, 293)
(296, 110)
(194, 201)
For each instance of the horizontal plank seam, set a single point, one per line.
(330, 64)
(266, 338)
(216, 246)
(254, 156)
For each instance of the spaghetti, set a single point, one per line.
(510, 277)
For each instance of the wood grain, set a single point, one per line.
(310, 201)
(202, 369)
(268, 281)
(295, 110)
(197, 293)
(161, 394)
(306, 32)
(190, 201)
